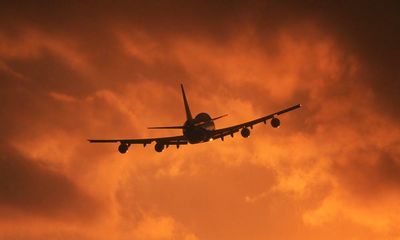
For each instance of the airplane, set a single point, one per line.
(199, 129)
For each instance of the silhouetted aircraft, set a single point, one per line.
(196, 130)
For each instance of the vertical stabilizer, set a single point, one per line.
(187, 109)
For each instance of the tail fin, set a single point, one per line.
(187, 109)
(188, 113)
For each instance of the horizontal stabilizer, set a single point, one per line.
(207, 122)
(168, 127)
(220, 117)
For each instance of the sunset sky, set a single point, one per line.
(97, 69)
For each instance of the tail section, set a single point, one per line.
(187, 109)
(216, 118)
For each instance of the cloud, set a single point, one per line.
(160, 228)
(85, 70)
(29, 187)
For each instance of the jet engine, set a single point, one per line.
(275, 122)
(123, 148)
(245, 132)
(159, 147)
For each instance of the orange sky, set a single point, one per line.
(74, 71)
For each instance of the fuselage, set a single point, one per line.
(198, 129)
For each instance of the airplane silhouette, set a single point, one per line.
(196, 130)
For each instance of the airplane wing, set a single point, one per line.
(175, 140)
(220, 133)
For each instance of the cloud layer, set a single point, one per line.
(78, 70)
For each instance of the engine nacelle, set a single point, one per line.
(275, 122)
(245, 132)
(159, 147)
(123, 148)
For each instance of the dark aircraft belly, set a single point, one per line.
(198, 135)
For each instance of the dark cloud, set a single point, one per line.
(370, 30)
(32, 188)
(366, 29)
(370, 175)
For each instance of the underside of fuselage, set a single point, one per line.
(199, 129)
